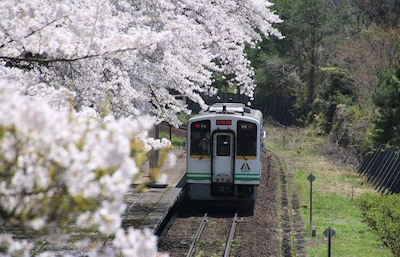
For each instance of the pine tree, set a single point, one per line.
(386, 98)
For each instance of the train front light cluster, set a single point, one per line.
(246, 126)
(200, 126)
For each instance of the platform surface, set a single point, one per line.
(148, 209)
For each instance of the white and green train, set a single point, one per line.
(224, 149)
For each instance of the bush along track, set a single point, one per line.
(382, 213)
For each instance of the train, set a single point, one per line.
(224, 147)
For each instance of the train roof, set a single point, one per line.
(232, 108)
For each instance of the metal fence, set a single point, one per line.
(382, 169)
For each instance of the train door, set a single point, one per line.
(223, 158)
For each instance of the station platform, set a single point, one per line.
(148, 209)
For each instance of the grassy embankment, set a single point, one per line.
(334, 189)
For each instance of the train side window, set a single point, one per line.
(200, 138)
(246, 138)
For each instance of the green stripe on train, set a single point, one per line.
(197, 176)
(202, 176)
(247, 177)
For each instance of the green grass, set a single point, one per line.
(352, 236)
(334, 191)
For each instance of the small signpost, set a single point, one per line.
(329, 233)
(311, 178)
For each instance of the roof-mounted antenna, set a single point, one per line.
(224, 108)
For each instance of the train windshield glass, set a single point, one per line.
(223, 145)
(200, 138)
(246, 138)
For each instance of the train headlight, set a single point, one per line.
(200, 126)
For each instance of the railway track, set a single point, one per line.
(211, 234)
(272, 228)
(201, 228)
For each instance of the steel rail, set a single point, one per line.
(232, 230)
(197, 235)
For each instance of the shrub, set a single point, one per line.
(382, 213)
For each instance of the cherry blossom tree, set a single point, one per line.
(64, 167)
(82, 82)
(135, 55)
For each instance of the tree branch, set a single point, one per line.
(45, 60)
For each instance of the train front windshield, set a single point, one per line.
(246, 138)
(200, 138)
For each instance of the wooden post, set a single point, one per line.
(153, 155)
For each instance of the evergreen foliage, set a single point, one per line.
(387, 100)
(329, 57)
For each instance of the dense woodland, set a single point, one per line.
(339, 60)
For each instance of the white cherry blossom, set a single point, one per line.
(130, 57)
(81, 84)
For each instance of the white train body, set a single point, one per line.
(224, 153)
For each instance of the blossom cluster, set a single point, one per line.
(87, 76)
(139, 56)
(61, 167)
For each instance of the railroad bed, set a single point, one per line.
(209, 234)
